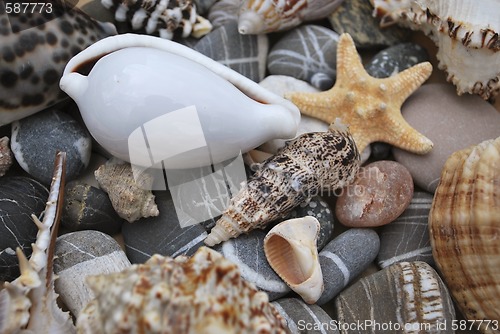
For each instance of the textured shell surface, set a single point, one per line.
(300, 170)
(34, 49)
(201, 294)
(227, 112)
(166, 18)
(6, 158)
(464, 225)
(291, 250)
(265, 16)
(465, 32)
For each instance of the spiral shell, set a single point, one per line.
(163, 17)
(264, 16)
(465, 32)
(464, 226)
(306, 165)
(201, 294)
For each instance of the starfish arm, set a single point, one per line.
(406, 82)
(317, 105)
(349, 65)
(361, 140)
(400, 134)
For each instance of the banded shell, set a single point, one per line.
(130, 197)
(265, 16)
(300, 170)
(5, 156)
(290, 249)
(464, 227)
(166, 18)
(465, 32)
(202, 294)
(33, 56)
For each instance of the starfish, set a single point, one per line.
(371, 107)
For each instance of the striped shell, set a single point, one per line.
(464, 226)
(165, 18)
(299, 171)
(465, 32)
(264, 16)
(204, 294)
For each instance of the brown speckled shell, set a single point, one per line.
(201, 294)
(299, 171)
(464, 226)
(5, 156)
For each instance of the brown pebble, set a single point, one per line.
(380, 193)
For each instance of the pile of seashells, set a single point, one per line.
(143, 90)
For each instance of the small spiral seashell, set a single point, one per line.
(5, 156)
(464, 225)
(159, 16)
(307, 164)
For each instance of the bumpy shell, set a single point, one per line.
(300, 170)
(163, 17)
(5, 156)
(465, 32)
(464, 226)
(290, 249)
(201, 294)
(33, 56)
(264, 16)
(130, 198)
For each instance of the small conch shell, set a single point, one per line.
(291, 251)
(465, 32)
(159, 104)
(265, 16)
(464, 224)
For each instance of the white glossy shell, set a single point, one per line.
(151, 101)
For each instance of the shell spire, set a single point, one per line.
(308, 164)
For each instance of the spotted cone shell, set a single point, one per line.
(465, 227)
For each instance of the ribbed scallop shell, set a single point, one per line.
(307, 164)
(466, 33)
(265, 16)
(464, 226)
(199, 295)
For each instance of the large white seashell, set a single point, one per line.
(190, 110)
(264, 16)
(291, 251)
(465, 32)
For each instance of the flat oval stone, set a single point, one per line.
(162, 234)
(20, 197)
(245, 54)
(407, 238)
(88, 208)
(345, 258)
(395, 59)
(247, 251)
(223, 11)
(36, 139)
(303, 318)
(308, 53)
(80, 254)
(380, 192)
(452, 122)
(409, 295)
(355, 17)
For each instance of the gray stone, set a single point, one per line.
(308, 53)
(407, 238)
(452, 122)
(202, 6)
(36, 139)
(380, 151)
(355, 17)
(223, 11)
(395, 59)
(303, 318)
(245, 54)
(345, 258)
(20, 197)
(247, 251)
(80, 254)
(408, 296)
(88, 208)
(162, 234)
